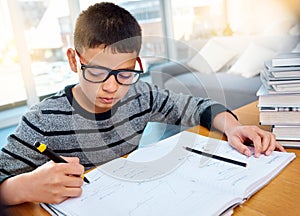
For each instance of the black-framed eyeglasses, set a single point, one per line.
(99, 74)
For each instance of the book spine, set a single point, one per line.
(275, 117)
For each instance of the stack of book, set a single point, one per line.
(279, 98)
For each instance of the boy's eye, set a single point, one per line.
(96, 72)
(125, 75)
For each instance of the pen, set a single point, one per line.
(52, 155)
(228, 160)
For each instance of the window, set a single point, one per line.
(38, 32)
(11, 81)
(33, 62)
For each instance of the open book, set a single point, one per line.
(165, 179)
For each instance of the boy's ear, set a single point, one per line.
(72, 60)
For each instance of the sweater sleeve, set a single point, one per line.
(186, 110)
(210, 113)
(19, 155)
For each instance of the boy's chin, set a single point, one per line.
(100, 108)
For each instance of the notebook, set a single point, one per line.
(165, 179)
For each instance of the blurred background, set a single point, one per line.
(35, 35)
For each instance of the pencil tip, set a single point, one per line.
(86, 180)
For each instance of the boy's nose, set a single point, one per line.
(110, 85)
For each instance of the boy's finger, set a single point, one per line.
(73, 192)
(238, 145)
(279, 147)
(257, 145)
(73, 181)
(271, 147)
(267, 143)
(73, 169)
(71, 159)
(256, 139)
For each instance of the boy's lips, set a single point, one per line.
(106, 100)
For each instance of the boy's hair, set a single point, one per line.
(110, 25)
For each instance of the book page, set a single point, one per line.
(240, 180)
(196, 185)
(109, 196)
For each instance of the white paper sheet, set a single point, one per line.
(181, 184)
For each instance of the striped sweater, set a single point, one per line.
(69, 130)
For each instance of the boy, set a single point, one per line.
(104, 115)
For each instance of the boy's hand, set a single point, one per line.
(263, 141)
(55, 182)
(49, 183)
(238, 135)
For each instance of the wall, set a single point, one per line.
(256, 16)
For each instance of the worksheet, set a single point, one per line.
(166, 179)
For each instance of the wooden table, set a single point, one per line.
(280, 197)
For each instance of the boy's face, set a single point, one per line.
(100, 97)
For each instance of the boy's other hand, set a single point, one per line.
(239, 135)
(264, 142)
